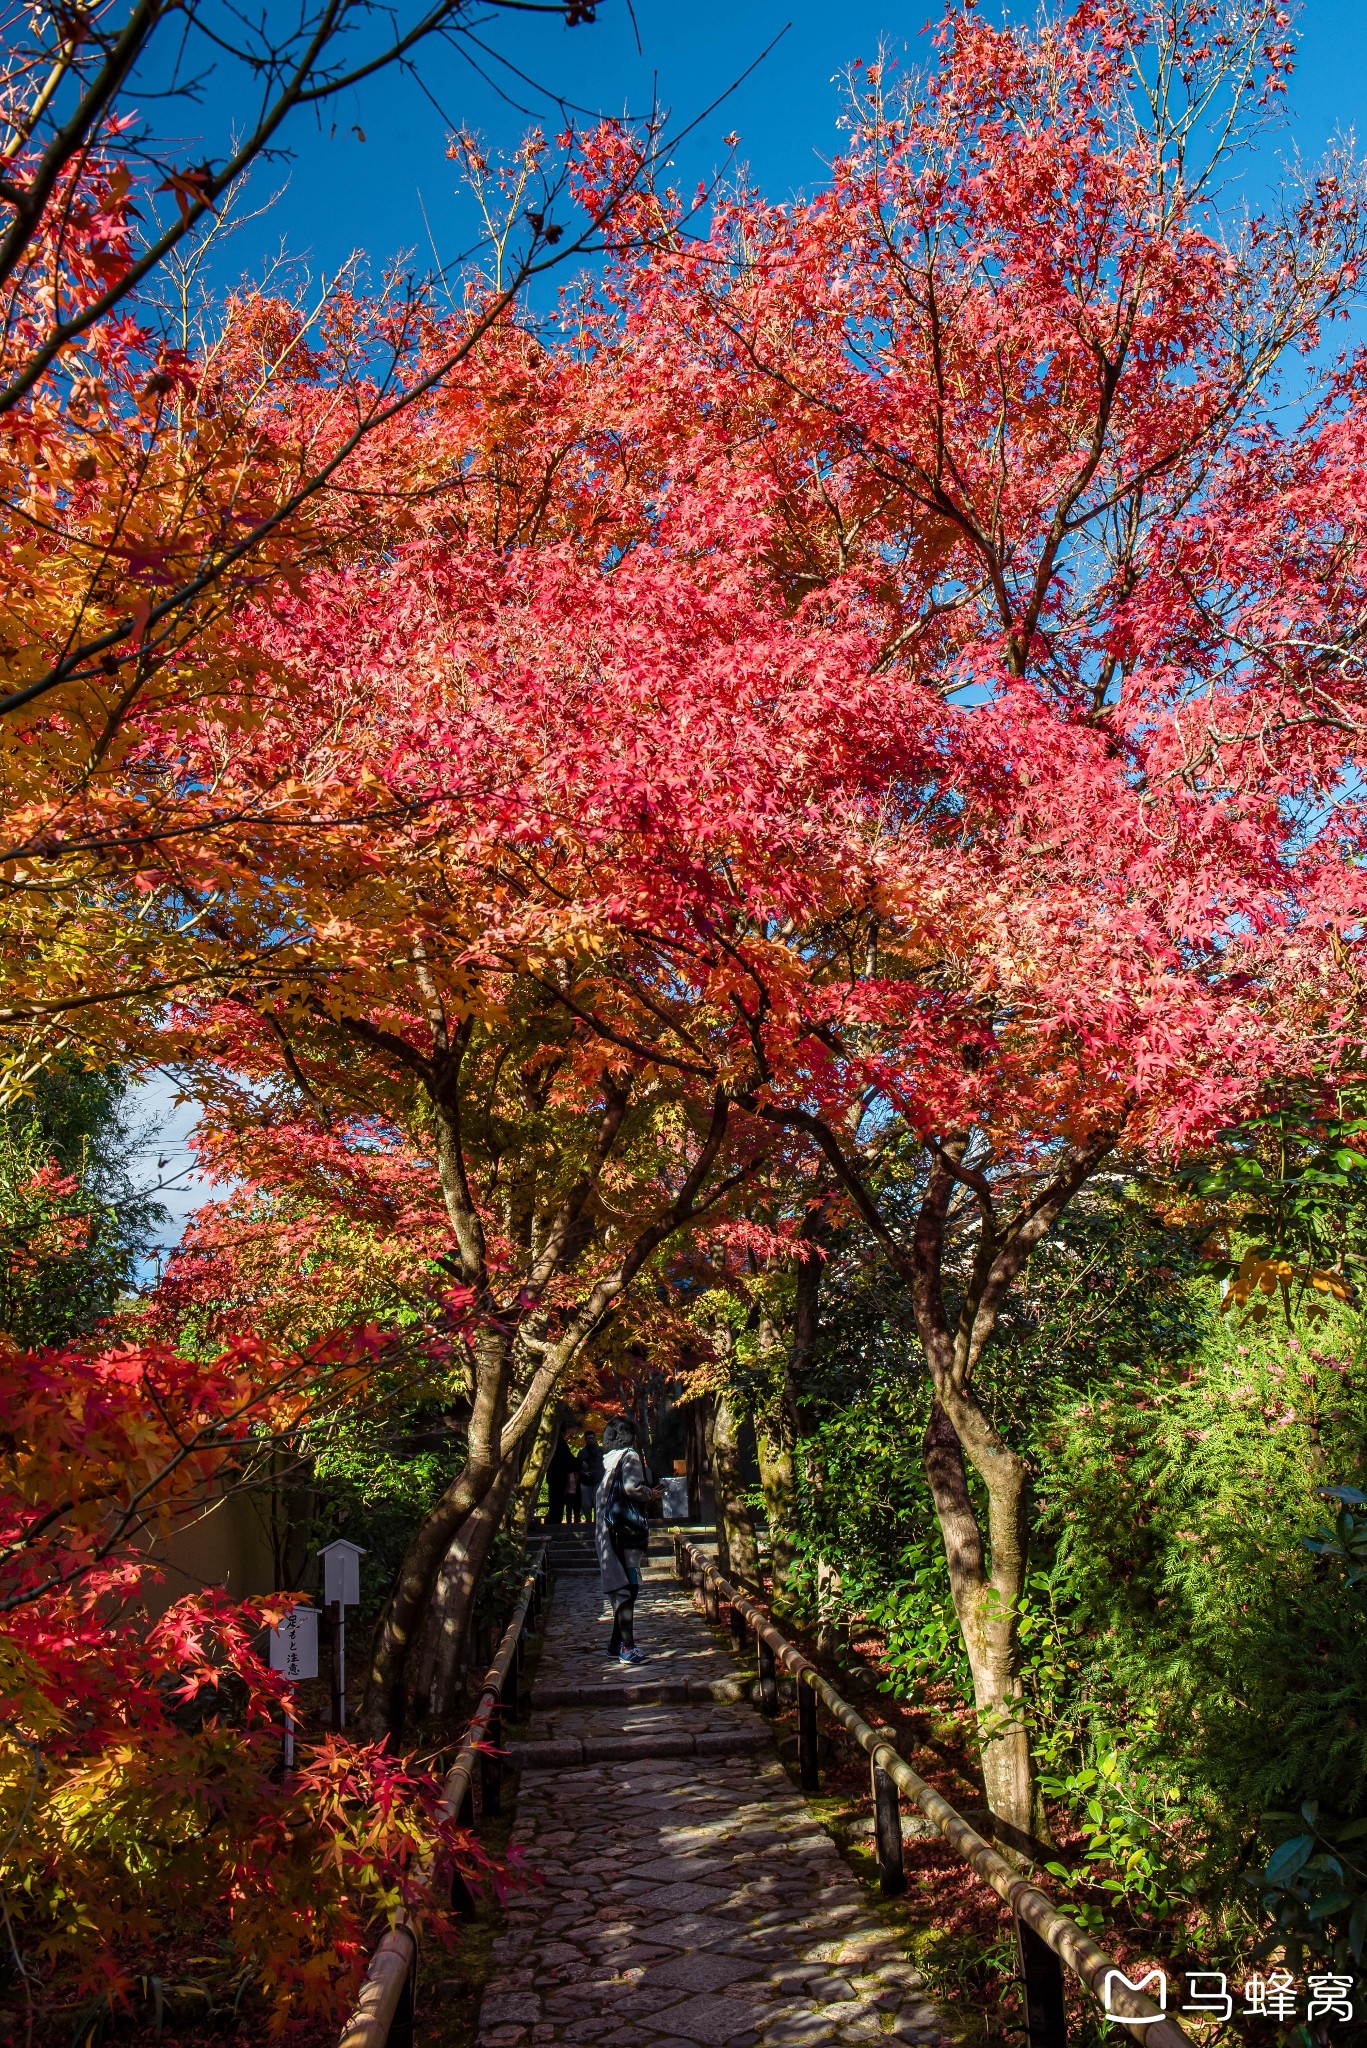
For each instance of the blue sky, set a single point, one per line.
(397, 192)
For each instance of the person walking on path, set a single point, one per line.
(590, 1474)
(561, 1465)
(622, 1532)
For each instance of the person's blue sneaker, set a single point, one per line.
(632, 1657)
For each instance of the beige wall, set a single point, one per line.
(226, 1546)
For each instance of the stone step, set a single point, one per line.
(642, 1692)
(570, 1753)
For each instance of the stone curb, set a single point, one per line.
(650, 1692)
(572, 1753)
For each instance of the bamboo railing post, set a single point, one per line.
(462, 1898)
(887, 1826)
(401, 2026)
(809, 1770)
(768, 1679)
(382, 2016)
(1046, 2021)
(740, 1632)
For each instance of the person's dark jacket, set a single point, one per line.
(562, 1463)
(590, 1467)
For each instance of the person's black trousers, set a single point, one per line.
(623, 1620)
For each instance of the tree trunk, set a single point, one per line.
(779, 1427)
(807, 1299)
(736, 1544)
(695, 1450)
(985, 1602)
(382, 1708)
(987, 1578)
(534, 1471)
(778, 1480)
(776, 1434)
(565, 1235)
(453, 1598)
(828, 1589)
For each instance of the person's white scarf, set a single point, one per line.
(612, 1572)
(611, 1460)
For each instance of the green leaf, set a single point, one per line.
(1357, 1928)
(1291, 1857)
(1332, 1902)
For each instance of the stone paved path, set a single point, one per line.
(689, 1897)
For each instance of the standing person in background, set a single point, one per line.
(561, 1465)
(590, 1473)
(572, 1487)
(622, 1532)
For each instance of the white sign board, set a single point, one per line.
(294, 1645)
(341, 1572)
(674, 1498)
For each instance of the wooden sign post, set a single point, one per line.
(294, 1653)
(341, 1589)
